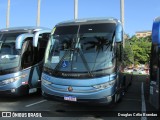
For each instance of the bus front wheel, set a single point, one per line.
(118, 97)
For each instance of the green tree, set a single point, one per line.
(128, 54)
(141, 49)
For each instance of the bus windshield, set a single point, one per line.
(9, 56)
(90, 49)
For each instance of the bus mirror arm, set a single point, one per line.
(20, 39)
(119, 33)
(36, 36)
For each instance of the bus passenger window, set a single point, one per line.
(6, 50)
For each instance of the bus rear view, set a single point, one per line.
(82, 62)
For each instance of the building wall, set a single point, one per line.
(143, 34)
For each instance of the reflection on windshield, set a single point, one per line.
(97, 49)
(61, 49)
(85, 52)
(9, 56)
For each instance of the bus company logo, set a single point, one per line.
(70, 75)
(70, 89)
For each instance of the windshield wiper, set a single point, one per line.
(60, 62)
(73, 50)
(1, 42)
(0, 45)
(77, 47)
(69, 50)
(85, 62)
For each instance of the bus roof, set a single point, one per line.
(156, 31)
(157, 19)
(29, 29)
(88, 21)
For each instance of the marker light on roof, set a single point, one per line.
(81, 21)
(37, 29)
(4, 30)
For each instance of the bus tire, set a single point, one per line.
(118, 97)
(39, 92)
(124, 86)
(23, 90)
(130, 83)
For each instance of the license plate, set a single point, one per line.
(70, 98)
(32, 90)
(151, 90)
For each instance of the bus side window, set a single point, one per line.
(42, 44)
(27, 57)
(6, 50)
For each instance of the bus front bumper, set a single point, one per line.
(102, 101)
(22, 90)
(96, 101)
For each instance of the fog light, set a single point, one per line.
(109, 98)
(13, 90)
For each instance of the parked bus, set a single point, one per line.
(155, 65)
(83, 61)
(21, 59)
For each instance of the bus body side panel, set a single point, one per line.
(154, 97)
(30, 79)
(154, 94)
(34, 75)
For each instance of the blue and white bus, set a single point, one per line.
(83, 61)
(155, 65)
(21, 59)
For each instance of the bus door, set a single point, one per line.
(28, 64)
(24, 43)
(154, 76)
(39, 44)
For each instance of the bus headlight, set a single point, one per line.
(105, 85)
(46, 82)
(11, 80)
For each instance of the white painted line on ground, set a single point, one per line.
(36, 103)
(143, 103)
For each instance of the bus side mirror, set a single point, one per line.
(20, 39)
(36, 36)
(119, 33)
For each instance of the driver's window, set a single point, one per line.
(27, 57)
(42, 44)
